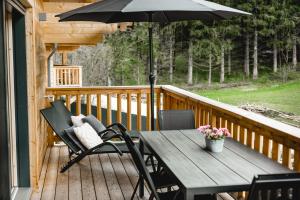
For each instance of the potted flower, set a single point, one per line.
(214, 137)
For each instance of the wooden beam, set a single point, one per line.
(62, 48)
(77, 27)
(74, 39)
(60, 7)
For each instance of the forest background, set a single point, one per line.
(253, 52)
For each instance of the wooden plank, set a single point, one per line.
(87, 184)
(148, 117)
(249, 138)
(108, 110)
(99, 109)
(139, 110)
(297, 160)
(119, 108)
(62, 182)
(220, 173)
(132, 172)
(235, 132)
(37, 194)
(242, 135)
(286, 156)
(257, 141)
(99, 179)
(266, 146)
(75, 191)
(88, 104)
(78, 104)
(129, 123)
(50, 180)
(111, 179)
(122, 177)
(275, 152)
(73, 38)
(68, 102)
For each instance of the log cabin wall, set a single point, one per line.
(36, 79)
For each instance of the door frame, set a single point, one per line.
(4, 151)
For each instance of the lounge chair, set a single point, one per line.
(65, 132)
(63, 110)
(275, 187)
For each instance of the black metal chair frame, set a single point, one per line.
(147, 176)
(275, 187)
(60, 128)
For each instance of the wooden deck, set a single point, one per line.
(102, 177)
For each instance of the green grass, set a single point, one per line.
(282, 97)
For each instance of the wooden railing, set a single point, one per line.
(66, 76)
(276, 140)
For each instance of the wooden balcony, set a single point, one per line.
(113, 175)
(66, 76)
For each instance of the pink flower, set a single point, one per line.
(214, 133)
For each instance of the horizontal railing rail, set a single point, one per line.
(277, 140)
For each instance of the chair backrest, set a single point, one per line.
(176, 119)
(63, 110)
(140, 163)
(275, 187)
(58, 125)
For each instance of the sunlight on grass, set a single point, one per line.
(284, 97)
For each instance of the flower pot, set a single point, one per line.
(214, 145)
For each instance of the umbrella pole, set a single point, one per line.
(152, 75)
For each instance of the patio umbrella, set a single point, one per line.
(115, 11)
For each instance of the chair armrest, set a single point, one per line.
(117, 135)
(106, 131)
(119, 125)
(101, 145)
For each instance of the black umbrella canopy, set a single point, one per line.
(113, 11)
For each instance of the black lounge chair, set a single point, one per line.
(176, 119)
(275, 187)
(65, 132)
(155, 180)
(63, 110)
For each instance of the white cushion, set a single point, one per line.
(87, 136)
(77, 120)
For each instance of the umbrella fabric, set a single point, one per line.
(113, 11)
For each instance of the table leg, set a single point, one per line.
(141, 187)
(188, 195)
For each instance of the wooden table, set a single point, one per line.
(199, 171)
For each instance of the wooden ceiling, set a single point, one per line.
(68, 34)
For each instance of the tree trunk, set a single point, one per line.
(229, 62)
(190, 67)
(222, 73)
(171, 54)
(295, 61)
(275, 55)
(255, 58)
(209, 72)
(247, 59)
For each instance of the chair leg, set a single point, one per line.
(135, 189)
(72, 162)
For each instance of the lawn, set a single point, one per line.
(282, 97)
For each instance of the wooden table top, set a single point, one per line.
(201, 171)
